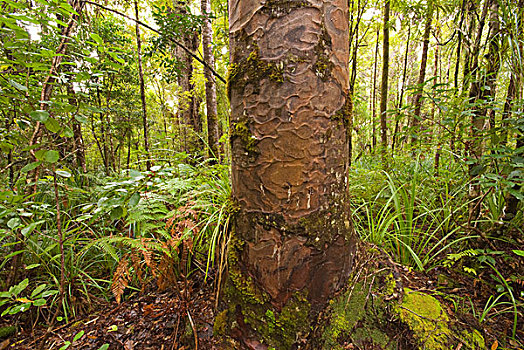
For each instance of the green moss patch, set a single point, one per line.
(360, 315)
(252, 69)
(352, 322)
(426, 318)
(431, 325)
(7, 331)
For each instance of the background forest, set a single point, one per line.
(114, 146)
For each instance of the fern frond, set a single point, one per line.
(120, 279)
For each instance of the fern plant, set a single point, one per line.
(180, 222)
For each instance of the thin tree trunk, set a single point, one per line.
(480, 94)
(47, 86)
(511, 95)
(104, 151)
(99, 146)
(211, 95)
(128, 158)
(8, 123)
(188, 103)
(142, 89)
(493, 59)
(416, 132)
(514, 89)
(353, 76)
(78, 142)
(402, 89)
(61, 239)
(384, 84)
(374, 96)
(472, 60)
(435, 124)
(459, 43)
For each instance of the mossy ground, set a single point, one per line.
(430, 324)
(359, 316)
(7, 331)
(376, 312)
(426, 318)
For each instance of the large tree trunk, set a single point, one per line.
(211, 95)
(384, 85)
(292, 244)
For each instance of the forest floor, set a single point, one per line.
(173, 319)
(149, 320)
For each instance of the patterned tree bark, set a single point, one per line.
(288, 86)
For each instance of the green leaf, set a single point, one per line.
(104, 347)
(17, 86)
(39, 302)
(135, 198)
(116, 213)
(39, 115)
(52, 125)
(40, 154)
(38, 290)
(477, 169)
(6, 146)
(32, 266)
(81, 119)
(51, 156)
(135, 173)
(67, 132)
(13, 223)
(19, 308)
(78, 336)
(30, 166)
(518, 252)
(96, 38)
(116, 58)
(66, 345)
(516, 194)
(19, 287)
(48, 293)
(29, 228)
(9, 256)
(63, 173)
